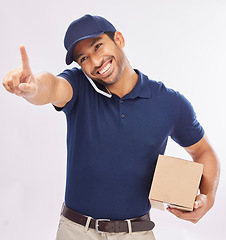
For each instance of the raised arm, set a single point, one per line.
(37, 89)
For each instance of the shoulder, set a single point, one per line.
(164, 96)
(75, 77)
(157, 88)
(71, 73)
(160, 90)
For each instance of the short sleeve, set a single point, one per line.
(188, 130)
(73, 77)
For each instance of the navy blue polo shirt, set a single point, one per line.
(113, 144)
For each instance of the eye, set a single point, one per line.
(83, 59)
(97, 46)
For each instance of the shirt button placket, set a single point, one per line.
(122, 114)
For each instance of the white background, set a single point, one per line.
(179, 42)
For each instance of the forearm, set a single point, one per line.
(44, 84)
(211, 173)
(203, 153)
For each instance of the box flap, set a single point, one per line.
(157, 204)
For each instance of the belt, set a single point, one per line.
(142, 223)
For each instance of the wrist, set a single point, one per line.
(210, 200)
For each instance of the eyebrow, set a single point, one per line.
(91, 45)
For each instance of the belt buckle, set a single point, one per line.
(97, 223)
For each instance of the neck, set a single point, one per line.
(126, 83)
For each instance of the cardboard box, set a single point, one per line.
(175, 182)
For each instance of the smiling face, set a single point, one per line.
(101, 58)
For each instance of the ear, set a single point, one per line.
(119, 39)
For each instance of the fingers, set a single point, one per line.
(17, 76)
(12, 81)
(26, 87)
(197, 204)
(7, 86)
(200, 201)
(195, 215)
(188, 216)
(24, 58)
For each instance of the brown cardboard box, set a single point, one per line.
(176, 182)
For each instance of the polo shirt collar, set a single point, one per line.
(141, 89)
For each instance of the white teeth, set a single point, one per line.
(105, 69)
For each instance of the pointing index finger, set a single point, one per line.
(24, 58)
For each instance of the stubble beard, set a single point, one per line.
(120, 68)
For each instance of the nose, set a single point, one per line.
(96, 60)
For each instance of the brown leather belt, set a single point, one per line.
(142, 223)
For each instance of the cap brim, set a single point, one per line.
(70, 56)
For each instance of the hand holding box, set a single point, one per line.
(176, 182)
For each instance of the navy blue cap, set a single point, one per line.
(83, 28)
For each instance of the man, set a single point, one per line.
(118, 122)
